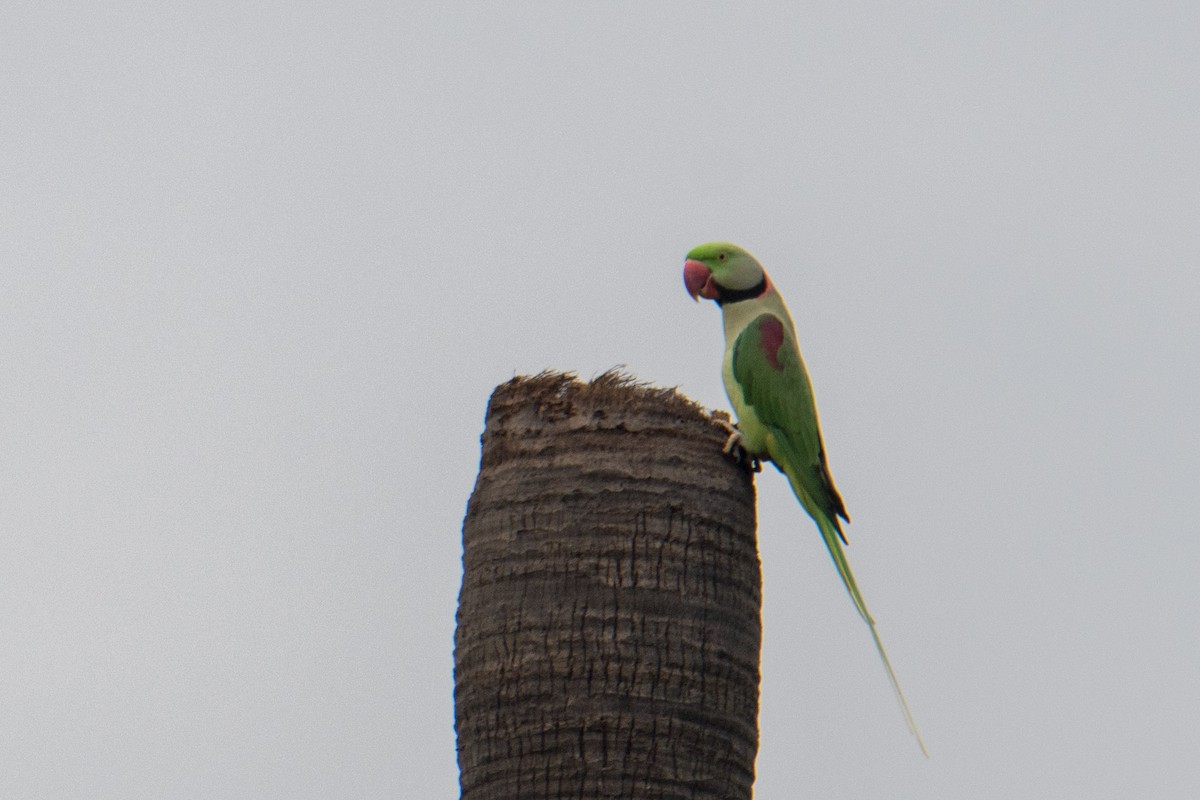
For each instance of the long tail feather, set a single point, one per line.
(832, 537)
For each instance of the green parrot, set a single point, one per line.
(770, 391)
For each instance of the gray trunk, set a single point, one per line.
(608, 625)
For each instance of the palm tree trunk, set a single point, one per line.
(608, 625)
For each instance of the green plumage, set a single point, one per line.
(770, 391)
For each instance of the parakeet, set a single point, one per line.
(769, 388)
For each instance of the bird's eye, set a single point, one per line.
(720, 256)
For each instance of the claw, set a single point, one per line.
(735, 445)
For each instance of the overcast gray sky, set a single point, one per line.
(261, 265)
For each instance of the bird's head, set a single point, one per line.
(722, 271)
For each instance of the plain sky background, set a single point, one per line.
(261, 265)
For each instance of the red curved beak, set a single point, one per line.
(698, 280)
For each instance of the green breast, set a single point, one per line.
(754, 433)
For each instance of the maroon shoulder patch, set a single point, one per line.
(770, 332)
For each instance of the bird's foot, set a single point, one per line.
(735, 445)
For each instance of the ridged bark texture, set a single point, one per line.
(609, 620)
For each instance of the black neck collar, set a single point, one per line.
(736, 295)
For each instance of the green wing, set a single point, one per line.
(771, 374)
(767, 366)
